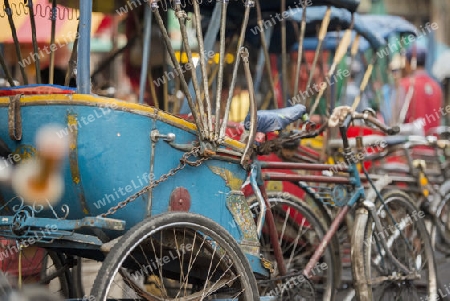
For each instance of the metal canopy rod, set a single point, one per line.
(146, 52)
(322, 33)
(342, 48)
(223, 20)
(265, 49)
(339, 54)
(72, 60)
(364, 82)
(182, 16)
(184, 86)
(210, 39)
(248, 5)
(37, 61)
(54, 15)
(5, 69)
(318, 97)
(353, 53)
(16, 41)
(253, 108)
(300, 49)
(284, 76)
(84, 51)
(204, 75)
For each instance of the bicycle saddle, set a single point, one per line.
(275, 120)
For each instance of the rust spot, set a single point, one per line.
(72, 127)
(180, 200)
(233, 182)
(25, 152)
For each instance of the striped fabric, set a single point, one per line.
(66, 22)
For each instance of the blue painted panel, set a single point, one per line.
(114, 153)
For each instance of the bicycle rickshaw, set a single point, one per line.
(147, 219)
(94, 179)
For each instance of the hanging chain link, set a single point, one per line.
(183, 161)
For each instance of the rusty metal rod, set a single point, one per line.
(253, 107)
(182, 16)
(37, 61)
(273, 176)
(54, 15)
(177, 65)
(248, 5)
(325, 241)
(5, 69)
(266, 53)
(322, 33)
(73, 58)
(284, 73)
(364, 83)
(353, 53)
(223, 22)
(318, 97)
(301, 166)
(273, 233)
(203, 63)
(342, 47)
(16, 42)
(300, 49)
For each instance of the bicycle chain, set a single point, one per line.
(183, 161)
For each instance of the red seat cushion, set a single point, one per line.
(36, 89)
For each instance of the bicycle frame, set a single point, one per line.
(257, 178)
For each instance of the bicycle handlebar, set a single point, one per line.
(344, 115)
(383, 127)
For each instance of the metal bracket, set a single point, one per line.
(15, 118)
(155, 136)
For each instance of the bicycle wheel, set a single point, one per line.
(38, 266)
(407, 238)
(299, 232)
(176, 256)
(441, 225)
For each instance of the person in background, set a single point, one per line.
(421, 108)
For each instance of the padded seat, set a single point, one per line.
(276, 120)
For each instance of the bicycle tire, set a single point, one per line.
(281, 199)
(404, 201)
(149, 226)
(65, 279)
